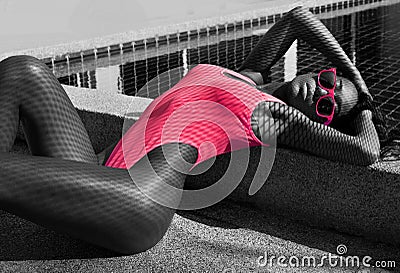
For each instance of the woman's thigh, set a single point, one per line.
(29, 92)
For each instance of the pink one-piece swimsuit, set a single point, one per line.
(210, 109)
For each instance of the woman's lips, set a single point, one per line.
(307, 91)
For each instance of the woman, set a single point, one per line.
(64, 185)
(358, 144)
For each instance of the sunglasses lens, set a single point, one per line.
(325, 106)
(327, 79)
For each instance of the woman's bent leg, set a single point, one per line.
(31, 93)
(95, 203)
(59, 186)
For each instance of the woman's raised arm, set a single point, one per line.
(300, 23)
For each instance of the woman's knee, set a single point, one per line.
(23, 66)
(20, 59)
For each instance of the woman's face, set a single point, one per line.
(304, 93)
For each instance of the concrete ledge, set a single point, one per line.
(310, 205)
(362, 201)
(102, 113)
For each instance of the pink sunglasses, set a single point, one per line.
(326, 104)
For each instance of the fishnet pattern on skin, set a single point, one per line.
(64, 188)
(29, 92)
(295, 130)
(301, 24)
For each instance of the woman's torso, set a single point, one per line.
(210, 109)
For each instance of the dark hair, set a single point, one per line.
(389, 138)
